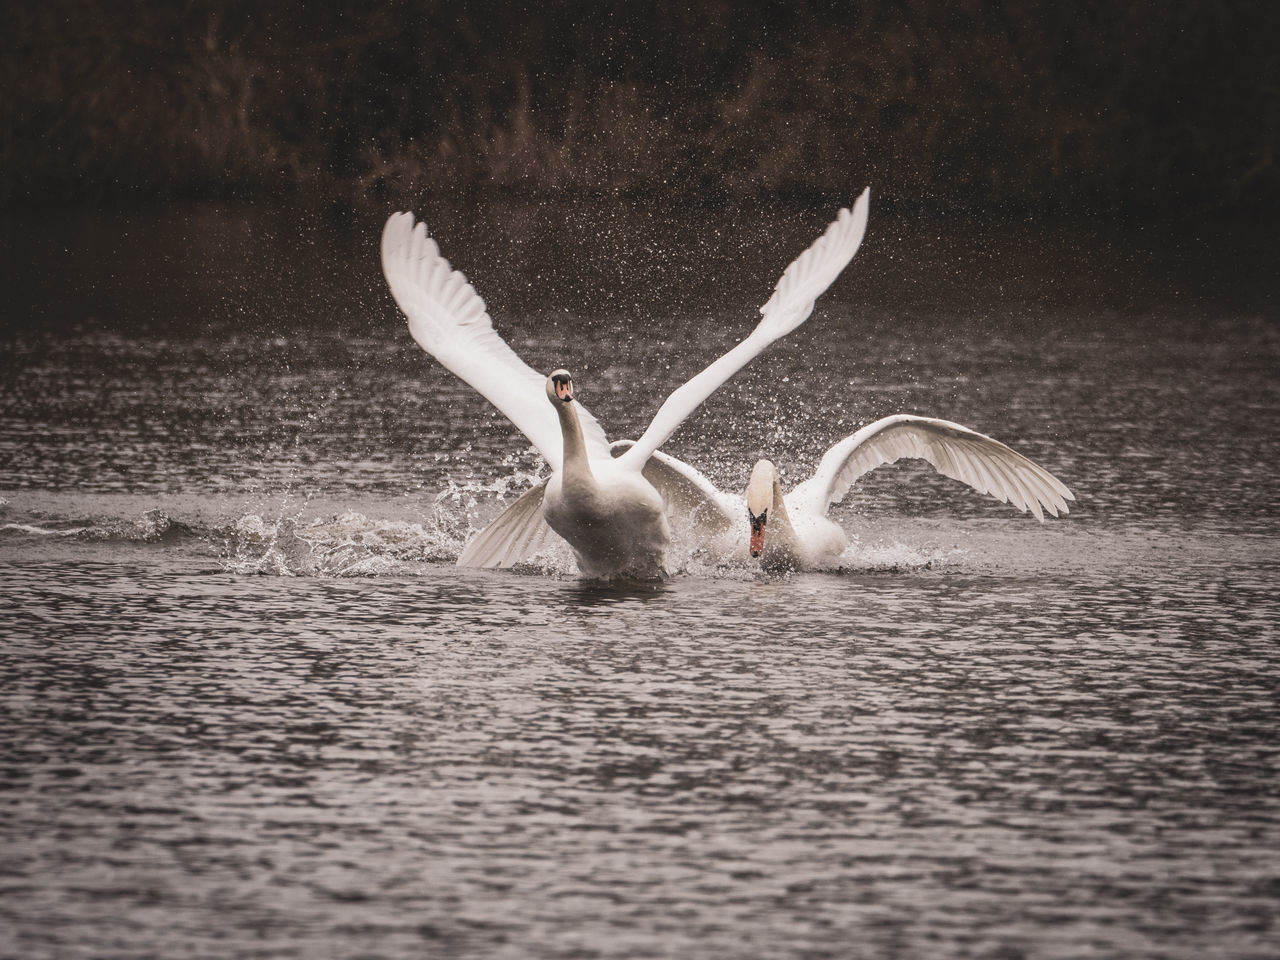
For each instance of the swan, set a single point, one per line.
(791, 530)
(610, 514)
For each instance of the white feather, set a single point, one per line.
(518, 533)
(955, 451)
(449, 321)
(809, 275)
(801, 284)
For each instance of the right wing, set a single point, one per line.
(985, 464)
(800, 285)
(687, 493)
(448, 320)
(518, 533)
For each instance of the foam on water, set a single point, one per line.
(894, 557)
(151, 526)
(346, 544)
(295, 534)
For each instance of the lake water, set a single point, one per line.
(251, 708)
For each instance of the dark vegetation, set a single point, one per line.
(1148, 107)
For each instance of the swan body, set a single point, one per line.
(610, 514)
(605, 507)
(803, 543)
(792, 530)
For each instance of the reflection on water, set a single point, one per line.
(251, 709)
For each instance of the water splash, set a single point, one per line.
(296, 533)
(351, 543)
(895, 557)
(344, 545)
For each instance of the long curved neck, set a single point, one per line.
(575, 464)
(780, 528)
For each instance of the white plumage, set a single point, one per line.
(795, 531)
(610, 514)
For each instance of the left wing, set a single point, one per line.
(518, 533)
(985, 464)
(448, 320)
(801, 284)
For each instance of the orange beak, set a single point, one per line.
(564, 389)
(757, 539)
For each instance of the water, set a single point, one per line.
(251, 709)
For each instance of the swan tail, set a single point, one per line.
(517, 534)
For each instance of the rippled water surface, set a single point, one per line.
(252, 709)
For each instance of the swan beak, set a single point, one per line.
(563, 386)
(757, 531)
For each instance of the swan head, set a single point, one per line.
(759, 499)
(560, 387)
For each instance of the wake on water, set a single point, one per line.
(299, 535)
(353, 545)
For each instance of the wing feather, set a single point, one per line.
(986, 465)
(985, 476)
(792, 301)
(448, 319)
(688, 494)
(516, 534)
(1009, 489)
(809, 275)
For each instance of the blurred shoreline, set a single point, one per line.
(1153, 111)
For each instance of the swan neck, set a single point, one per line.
(778, 509)
(576, 463)
(764, 495)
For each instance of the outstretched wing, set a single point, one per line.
(448, 320)
(518, 533)
(985, 464)
(792, 302)
(689, 494)
(809, 275)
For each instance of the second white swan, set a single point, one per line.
(791, 530)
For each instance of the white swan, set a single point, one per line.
(611, 516)
(792, 530)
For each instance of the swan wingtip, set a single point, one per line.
(399, 234)
(858, 205)
(399, 219)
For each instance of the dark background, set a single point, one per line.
(1150, 109)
